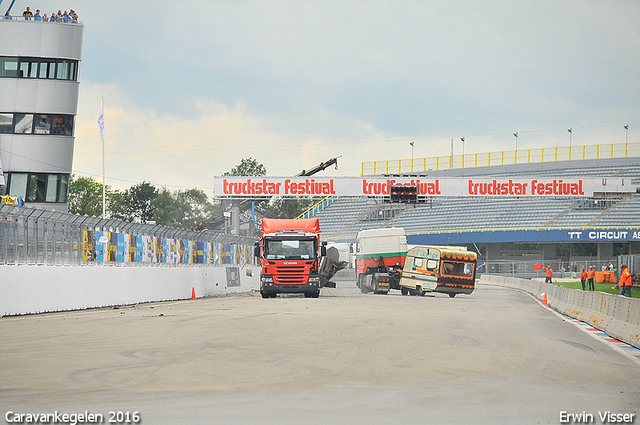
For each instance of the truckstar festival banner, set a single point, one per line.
(248, 187)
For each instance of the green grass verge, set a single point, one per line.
(600, 287)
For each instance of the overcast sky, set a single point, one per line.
(191, 88)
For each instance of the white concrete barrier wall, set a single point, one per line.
(616, 315)
(38, 289)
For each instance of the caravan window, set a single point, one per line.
(457, 268)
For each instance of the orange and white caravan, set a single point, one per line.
(438, 269)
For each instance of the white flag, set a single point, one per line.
(101, 121)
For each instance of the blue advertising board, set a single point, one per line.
(541, 235)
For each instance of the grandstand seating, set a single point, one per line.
(346, 216)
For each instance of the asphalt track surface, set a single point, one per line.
(496, 356)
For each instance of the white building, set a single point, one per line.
(39, 63)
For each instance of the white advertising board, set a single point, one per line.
(248, 187)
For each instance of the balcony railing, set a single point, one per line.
(520, 156)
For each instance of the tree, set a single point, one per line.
(247, 167)
(138, 203)
(183, 209)
(167, 211)
(85, 196)
(195, 207)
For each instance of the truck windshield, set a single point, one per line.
(284, 249)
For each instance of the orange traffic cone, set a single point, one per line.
(193, 293)
(544, 299)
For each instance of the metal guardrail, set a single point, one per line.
(317, 207)
(31, 236)
(40, 19)
(509, 157)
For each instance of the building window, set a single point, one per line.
(52, 187)
(38, 187)
(43, 124)
(21, 123)
(44, 68)
(58, 124)
(6, 123)
(8, 67)
(17, 184)
(63, 188)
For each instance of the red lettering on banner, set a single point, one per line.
(379, 187)
(308, 187)
(557, 187)
(497, 188)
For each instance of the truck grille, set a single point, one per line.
(290, 275)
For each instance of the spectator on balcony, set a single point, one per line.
(28, 14)
(67, 18)
(53, 17)
(7, 16)
(37, 16)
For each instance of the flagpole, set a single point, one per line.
(104, 193)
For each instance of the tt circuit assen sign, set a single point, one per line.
(248, 187)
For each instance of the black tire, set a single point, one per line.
(315, 294)
(264, 295)
(419, 291)
(404, 291)
(451, 294)
(362, 285)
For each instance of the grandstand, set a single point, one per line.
(467, 220)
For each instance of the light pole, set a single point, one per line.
(570, 130)
(626, 135)
(516, 155)
(462, 139)
(411, 143)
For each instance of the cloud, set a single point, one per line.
(295, 83)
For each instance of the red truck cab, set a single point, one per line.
(290, 252)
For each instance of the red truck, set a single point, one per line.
(291, 255)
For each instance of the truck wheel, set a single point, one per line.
(404, 290)
(451, 294)
(315, 294)
(419, 291)
(264, 295)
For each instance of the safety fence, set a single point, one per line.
(616, 315)
(562, 269)
(30, 236)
